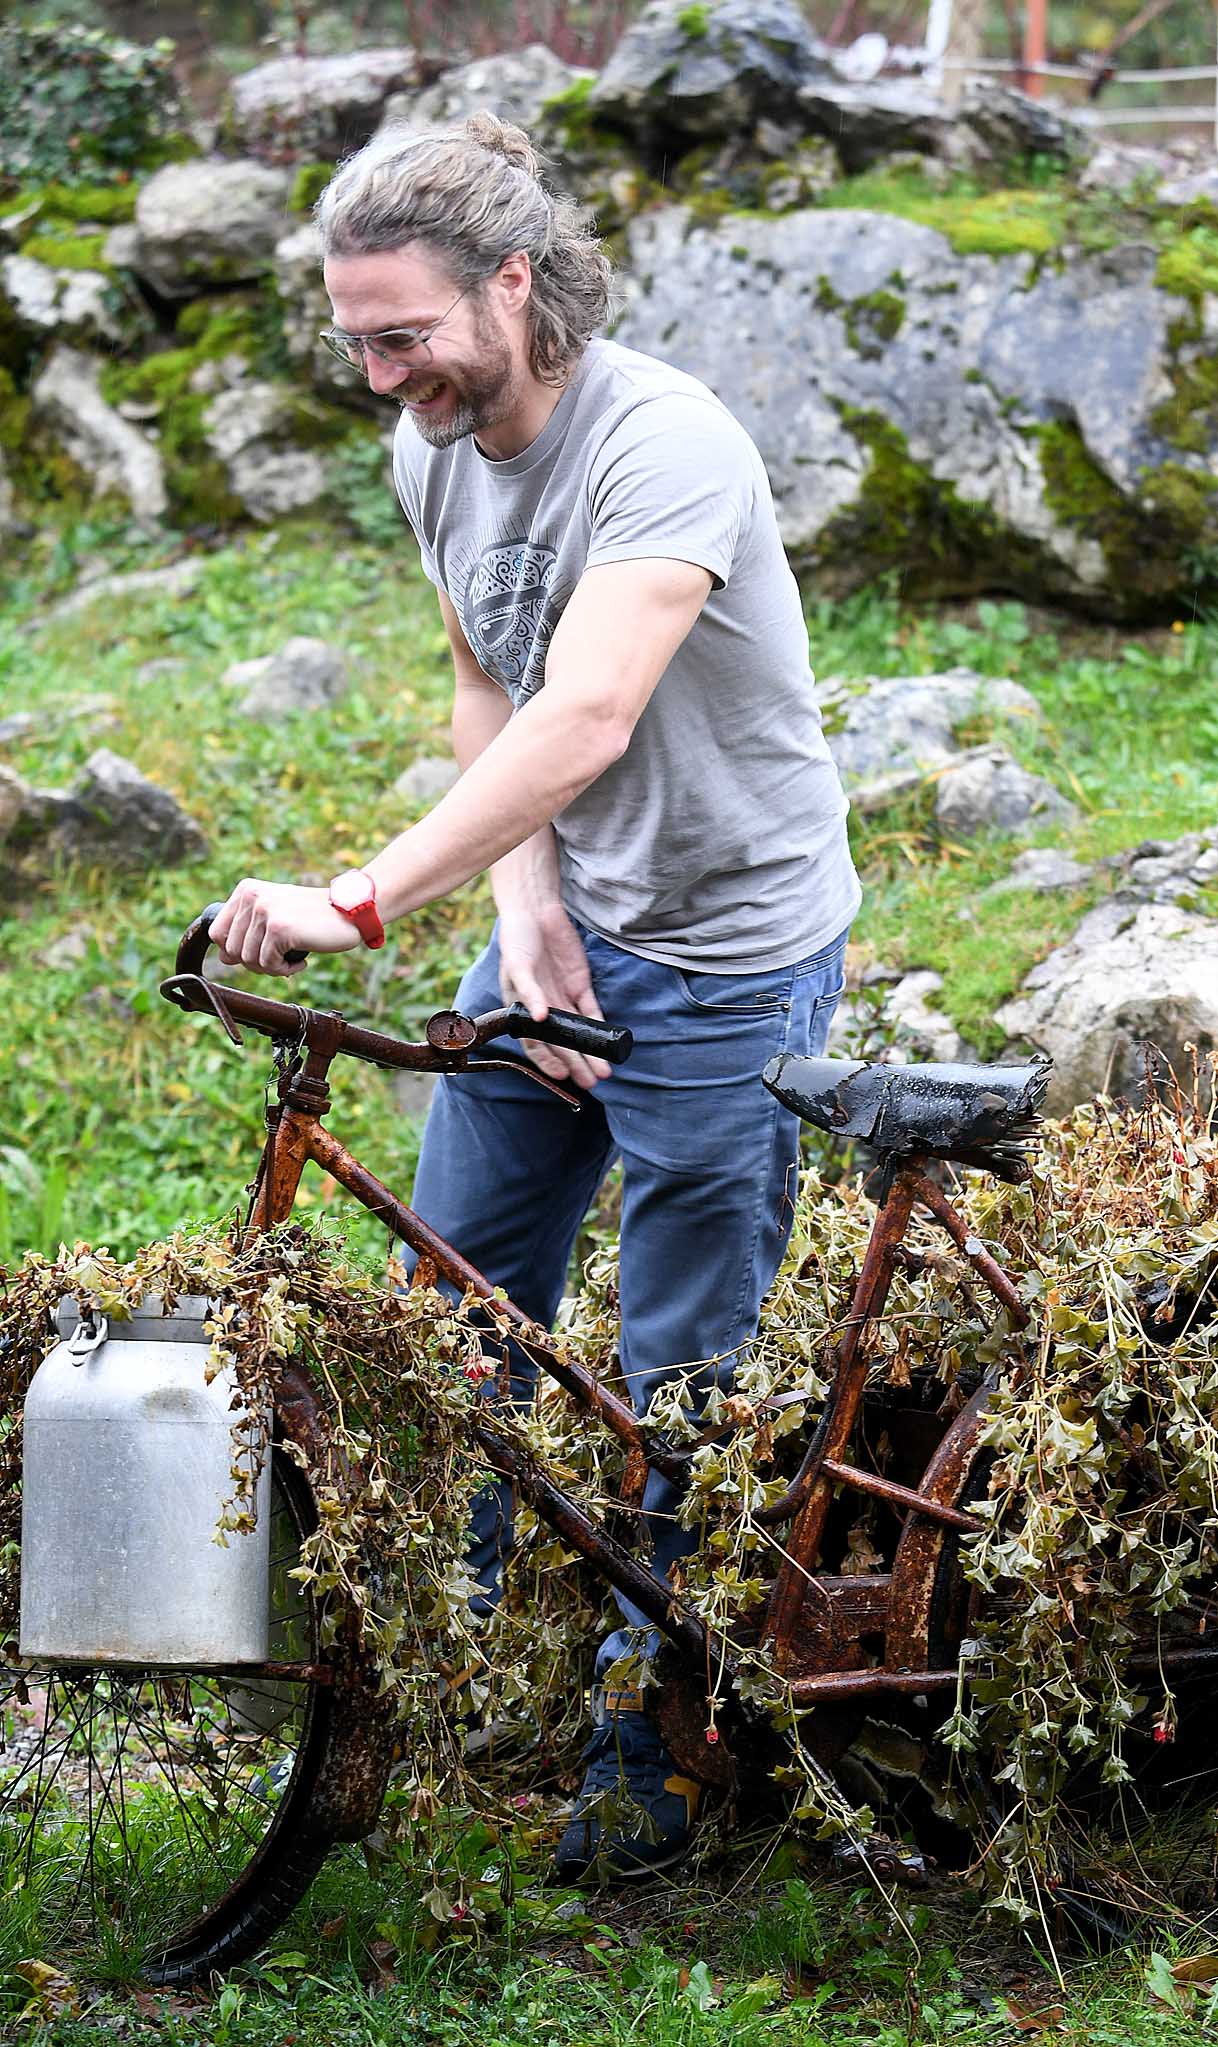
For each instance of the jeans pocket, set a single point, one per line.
(820, 1018)
(765, 994)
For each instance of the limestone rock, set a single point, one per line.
(515, 84)
(694, 74)
(867, 122)
(426, 779)
(991, 792)
(1128, 978)
(905, 1028)
(1004, 129)
(1041, 870)
(77, 305)
(970, 420)
(208, 223)
(1167, 870)
(114, 816)
(304, 675)
(109, 449)
(319, 107)
(888, 734)
(177, 580)
(249, 427)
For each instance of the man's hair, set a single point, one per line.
(472, 195)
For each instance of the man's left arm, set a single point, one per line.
(617, 635)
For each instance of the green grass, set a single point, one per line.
(120, 1116)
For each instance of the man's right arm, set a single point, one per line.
(543, 963)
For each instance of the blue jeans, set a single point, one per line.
(709, 1163)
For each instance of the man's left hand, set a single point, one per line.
(264, 920)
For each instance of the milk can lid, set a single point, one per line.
(148, 1322)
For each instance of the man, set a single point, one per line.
(642, 771)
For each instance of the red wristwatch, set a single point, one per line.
(353, 894)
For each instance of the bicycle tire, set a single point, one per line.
(162, 1818)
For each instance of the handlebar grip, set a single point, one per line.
(192, 947)
(586, 1034)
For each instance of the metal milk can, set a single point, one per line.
(127, 1463)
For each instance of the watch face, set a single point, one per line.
(352, 891)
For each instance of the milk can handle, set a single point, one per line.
(89, 1335)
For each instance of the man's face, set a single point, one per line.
(467, 379)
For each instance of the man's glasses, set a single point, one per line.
(398, 346)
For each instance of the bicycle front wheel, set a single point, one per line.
(156, 1822)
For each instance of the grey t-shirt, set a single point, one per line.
(717, 842)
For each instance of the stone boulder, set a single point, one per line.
(71, 305)
(515, 84)
(991, 792)
(685, 75)
(319, 107)
(1002, 130)
(889, 734)
(303, 675)
(890, 1016)
(1128, 979)
(868, 122)
(1042, 870)
(249, 427)
(1167, 870)
(426, 779)
(208, 223)
(113, 817)
(973, 421)
(112, 453)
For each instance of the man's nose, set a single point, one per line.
(383, 376)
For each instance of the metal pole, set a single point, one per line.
(938, 33)
(1033, 45)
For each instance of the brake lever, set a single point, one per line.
(508, 1064)
(175, 990)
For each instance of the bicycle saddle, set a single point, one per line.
(977, 1115)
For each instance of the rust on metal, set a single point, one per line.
(920, 1549)
(683, 1717)
(838, 1618)
(837, 1424)
(982, 1261)
(904, 1498)
(449, 1031)
(656, 1600)
(861, 1684)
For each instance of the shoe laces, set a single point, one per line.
(627, 1747)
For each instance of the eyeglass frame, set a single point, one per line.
(415, 337)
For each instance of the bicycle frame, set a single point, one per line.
(816, 1651)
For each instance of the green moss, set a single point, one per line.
(1189, 263)
(1188, 420)
(907, 519)
(308, 185)
(694, 22)
(104, 204)
(68, 251)
(873, 321)
(1076, 490)
(1174, 509)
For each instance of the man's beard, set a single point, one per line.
(485, 396)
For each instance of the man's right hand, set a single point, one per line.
(542, 963)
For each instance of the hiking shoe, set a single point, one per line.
(635, 1812)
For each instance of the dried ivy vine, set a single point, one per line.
(1097, 1483)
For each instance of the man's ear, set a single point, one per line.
(514, 281)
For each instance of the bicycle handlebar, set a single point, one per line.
(449, 1036)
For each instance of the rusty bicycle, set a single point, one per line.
(265, 1768)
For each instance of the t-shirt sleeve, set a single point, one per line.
(406, 484)
(673, 480)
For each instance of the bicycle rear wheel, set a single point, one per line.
(157, 1821)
